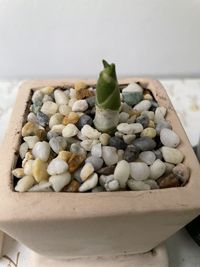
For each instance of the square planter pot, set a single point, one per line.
(62, 225)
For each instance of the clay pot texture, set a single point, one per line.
(62, 225)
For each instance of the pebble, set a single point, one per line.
(58, 144)
(57, 166)
(73, 117)
(117, 142)
(47, 90)
(86, 171)
(64, 109)
(157, 169)
(88, 144)
(144, 143)
(60, 97)
(162, 125)
(24, 184)
(43, 186)
(40, 170)
(148, 157)
(75, 161)
(120, 154)
(42, 119)
(149, 132)
(36, 106)
(41, 150)
(112, 185)
(104, 139)
(160, 114)
(72, 187)
(118, 134)
(123, 117)
(96, 150)
(77, 149)
(58, 128)
(98, 189)
(31, 141)
(81, 136)
(28, 167)
(80, 85)
(37, 96)
(55, 120)
(139, 171)
(153, 184)
(132, 94)
(49, 108)
(18, 172)
(169, 138)
(149, 114)
(27, 157)
(47, 98)
(158, 154)
(84, 93)
(138, 185)
(70, 130)
(90, 183)
(168, 181)
(109, 155)
(96, 162)
(83, 120)
(128, 138)
(143, 105)
(137, 127)
(172, 155)
(32, 117)
(29, 128)
(58, 182)
(148, 97)
(90, 132)
(104, 179)
(125, 128)
(52, 134)
(152, 124)
(108, 170)
(122, 172)
(91, 101)
(143, 119)
(64, 155)
(131, 153)
(169, 167)
(126, 108)
(23, 150)
(181, 172)
(80, 105)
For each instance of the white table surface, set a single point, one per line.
(185, 96)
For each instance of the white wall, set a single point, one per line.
(40, 38)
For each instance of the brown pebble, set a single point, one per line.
(84, 93)
(30, 128)
(107, 170)
(41, 134)
(75, 161)
(73, 117)
(65, 155)
(181, 172)
(80, 85)
(72, 187)
(135, 112)
(168, 181)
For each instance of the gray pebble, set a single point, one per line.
(52, 134)
(91, 101)
(158, 154)
(117, 142)
(112, 185)
(98, 189)
(77, 149)
(58, 144)
(138, 185)
(144, 143)
(35, 107)
(143, 119)
(84, 119)
(169, 138)
(131, 153)
(148, 157)
(42, 119)
(162, 125)
(132, 98)
(77, 175)
(153, 184)
(95, 161)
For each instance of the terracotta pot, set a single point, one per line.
(64, 225)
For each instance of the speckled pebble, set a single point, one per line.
(108, 170)
(181, 172)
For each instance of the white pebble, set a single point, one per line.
(89, 184)
(109, 155)
(60, 181)
(143, 105)
(28, 167)
(81, 136)
(41, 150)
(32, 117)
(23, 149)
(133, 87)
(57, 166)
(172, 155)
(49, 108)
(31, 141)
(103, 179)
(88, 144)
(37, 96)
(86, 171)
(160, 114)
(70, 130)
(80, 105)
(125, 128)
(169, 138)
(157, 169)
(112, 185)
(55, 120)
(43, 186)
(122, 172)
(60, 97)
(24, 184)
(90, 132)
(138, 185)
(65, 109)
(96, 150)
(148, 157)
(136, 127)
(58, 128)
(139, 170)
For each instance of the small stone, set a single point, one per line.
(144, 143)
(169, 167)
(31, 141)
(47, 90)
(73, 186)
(157, 169)
(181, 172)
(27, 157)
(41, 133)
(120, 154)
(172, 155)
(138, 185)
(151, 124)
(132, 94)
(96, 162)
(58, 144)
(40, 170)
(90, 183)
(32, 117)
(143, 105)
(149, 114)
(29, 128)
(47, 98)
(153, 184)
(28, 167)
(49, 108)
(160, 114)
(126, 108)
(70, 130)
(83, 120)
(88, 144)
(84, 93)
(148, 97)
(64, 110)
(91, 101)
(162, 125)
(86, 171)
(168, 181)
(24, 184)
(43, 186)
(41, 150)
(90, 132)
(42, 119)
(148, 157)
(143, 119)
(60, 97)
(105, 179)
(118, 134)
(104, 139)
(98, 189)
(128, 138)
(64, 155)
(58, 129)
(149, 132)
(158, 154)
(80, 105)
(37, 96)
(112, 185)
(139, 171)
(75, 161)
(57, 166)
(131, 153)
(80, 85)
(123, 117)
(96, 150)
(122, 172)
(55, 120)
(169, 138)
(125, 128)
(108, 170)
(58, 182)
(81, 136)
(18, 172)
(52, 134)
(109, 155)
(117, 142)
(73, 117)
(23, 150)
(36, 106)
(77, 149)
